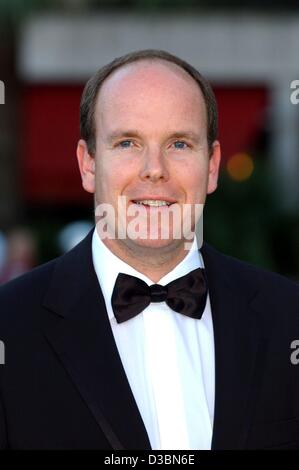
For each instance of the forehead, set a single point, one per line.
(157, 81)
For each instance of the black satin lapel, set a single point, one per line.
(82, 338)
(238, 353)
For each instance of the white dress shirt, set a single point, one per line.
(168, 358)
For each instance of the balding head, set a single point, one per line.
(90, 94)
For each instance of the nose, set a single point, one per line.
(154, 166)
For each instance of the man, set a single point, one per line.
(132, 341)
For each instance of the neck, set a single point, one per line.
(153, 262)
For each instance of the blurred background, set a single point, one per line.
(249, 51)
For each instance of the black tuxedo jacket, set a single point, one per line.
(63, 385)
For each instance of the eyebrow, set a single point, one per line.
(134, 133)
(186, 134)
(118, 134)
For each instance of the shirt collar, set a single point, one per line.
(107, 267)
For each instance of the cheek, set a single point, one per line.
(111, 179)
(195, 181)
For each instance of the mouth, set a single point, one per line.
(153, 202)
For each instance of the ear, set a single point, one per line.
(214, 165)
(86, 164)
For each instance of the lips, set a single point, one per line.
(154, 201)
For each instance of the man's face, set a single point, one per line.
(151, 144)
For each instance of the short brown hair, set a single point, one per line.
(90, 92)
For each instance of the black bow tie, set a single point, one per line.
(186, 295)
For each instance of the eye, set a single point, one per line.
(125, 144)
(180, 145)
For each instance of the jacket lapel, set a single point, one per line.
(78, 328)
(239, 348)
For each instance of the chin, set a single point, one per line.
(155, 244)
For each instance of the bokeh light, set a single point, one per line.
(240, 167)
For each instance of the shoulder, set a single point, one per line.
(35, 277)
(33, 284)
(244, 275)
(20, 297)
